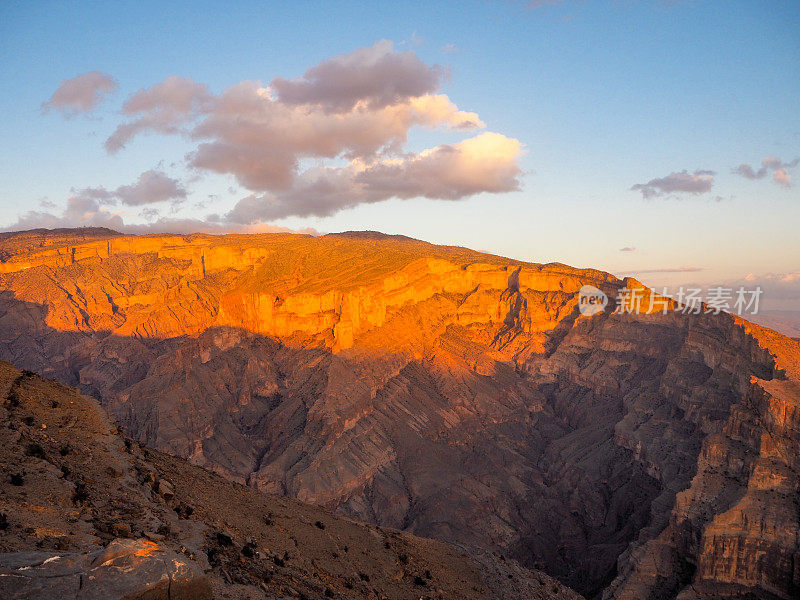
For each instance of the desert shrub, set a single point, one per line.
(34, 450)
(223, 539)
(81, 493)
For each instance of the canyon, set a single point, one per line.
(444, 392)
(86, 513)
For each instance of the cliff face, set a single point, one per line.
(446, 392)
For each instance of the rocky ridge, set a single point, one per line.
(86, 513)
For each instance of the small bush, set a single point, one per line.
(3, 521)
(184, 510)
(17, 479)
(223, 539)
(363, 577)
(35, 450)
(249, 550)
(81, 493)
(319, 525)
(419, 581)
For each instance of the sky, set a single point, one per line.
(652, 138)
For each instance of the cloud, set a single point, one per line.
(780, 170)
(779, 290)
(86, 207)
(782, 177)
(355, 109)
(81, 94)
(152, 186)
(685, 269)
(162, 108)
(376, 76)
(540, 3)
(485, 163)
(681, 182)
(628, 249)
(261, 141)
(82, 211)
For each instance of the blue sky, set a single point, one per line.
(601, 95)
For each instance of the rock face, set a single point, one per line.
(88, 514)
(131, 569)
(445, 392)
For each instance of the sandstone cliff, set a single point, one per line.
(438, 390)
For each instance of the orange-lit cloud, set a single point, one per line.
(782, 177)
(485, 163)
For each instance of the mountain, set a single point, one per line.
(88, 514)
(444, 392)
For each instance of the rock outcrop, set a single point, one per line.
(438, 390)
(131, 569)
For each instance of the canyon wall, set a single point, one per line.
(438, 390)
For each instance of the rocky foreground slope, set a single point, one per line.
(437, 390)
(88, 514)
